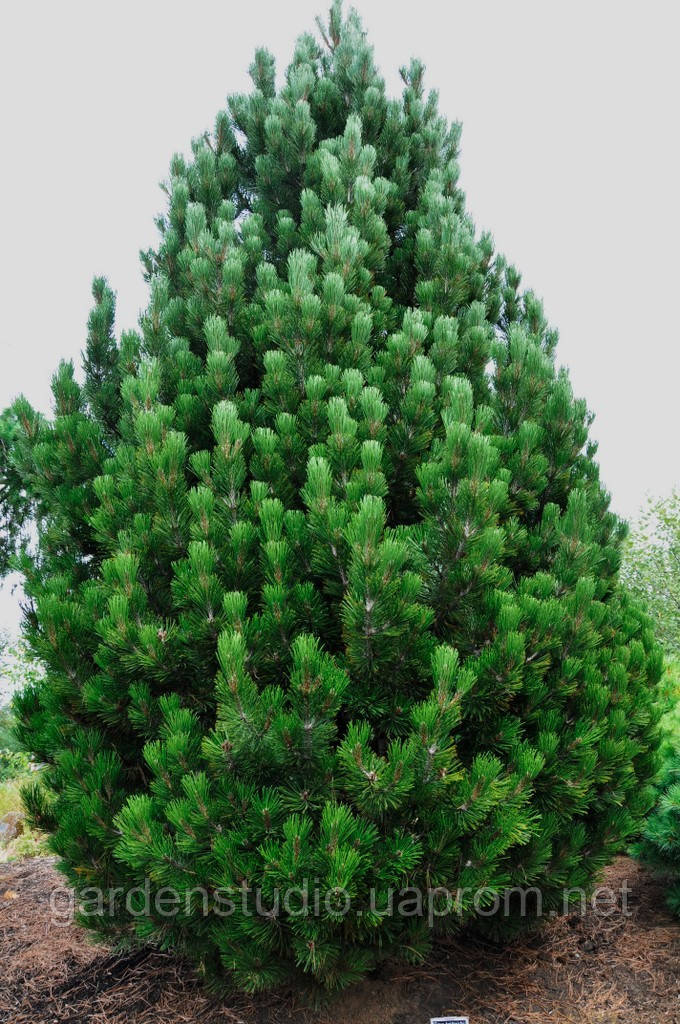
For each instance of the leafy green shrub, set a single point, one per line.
(326, 586)
(13, 763)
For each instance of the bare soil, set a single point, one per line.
(590, 969)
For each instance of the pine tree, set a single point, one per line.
(659, 845)
(326, 586)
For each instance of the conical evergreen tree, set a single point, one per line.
(326, 585)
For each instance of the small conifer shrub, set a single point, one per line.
(326, 585)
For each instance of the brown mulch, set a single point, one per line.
(591, 969)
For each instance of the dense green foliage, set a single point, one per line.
(651, 567)
(8, 740)
(326, 584)
(14, 776)
(13, 763)
(660, 843)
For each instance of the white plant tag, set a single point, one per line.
(449, 1020)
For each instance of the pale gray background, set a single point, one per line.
(569, 156)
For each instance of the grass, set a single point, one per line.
(10, 799)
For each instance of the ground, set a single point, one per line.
(591, 969)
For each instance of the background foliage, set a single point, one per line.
(15, 505)
(17, 669)
(651, 567)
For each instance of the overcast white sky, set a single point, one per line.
(569, 156)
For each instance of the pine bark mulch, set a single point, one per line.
(593, 969)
